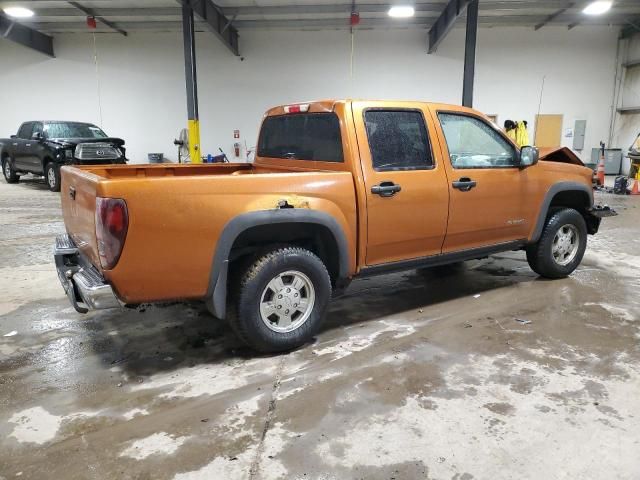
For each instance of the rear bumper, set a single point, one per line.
(83, 284)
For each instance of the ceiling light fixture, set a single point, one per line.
(597, 8)
(401, 11)
(18, 12)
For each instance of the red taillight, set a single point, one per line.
(112, 222)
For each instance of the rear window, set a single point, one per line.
(307, 136)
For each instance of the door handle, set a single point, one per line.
(14, 144)
(386, 189)
(464, 184)
(27, 145)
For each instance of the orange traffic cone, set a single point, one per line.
(635, 190)
(601, 169)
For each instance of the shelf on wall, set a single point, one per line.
(631, 64)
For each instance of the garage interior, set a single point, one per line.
(473, 371)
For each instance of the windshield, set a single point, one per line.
(73, 130)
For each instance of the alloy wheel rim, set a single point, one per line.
(565, 244)
(287, 301)
(51, 175)
(7, 169)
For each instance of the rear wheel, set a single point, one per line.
(52, 175)
(7, 170)
(561, 246)
(280, 300)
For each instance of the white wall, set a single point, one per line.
(142, 79)
(627, 126)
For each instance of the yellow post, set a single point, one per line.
(194, 141)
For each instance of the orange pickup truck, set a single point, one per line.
(339, 189)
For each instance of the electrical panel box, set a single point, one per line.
(579, 130)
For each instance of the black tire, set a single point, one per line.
(52, 176)
(540, 255)
(9, 173)
(244, 311)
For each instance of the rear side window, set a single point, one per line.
(307, 136)
(25, 130)
(398, 140)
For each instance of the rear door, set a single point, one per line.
(19, 145)
(406, 185)
(490, 195)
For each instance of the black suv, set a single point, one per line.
(42, 147)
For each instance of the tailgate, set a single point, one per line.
(78, 197)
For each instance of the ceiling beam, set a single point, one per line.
(216, 22)
(445, 22)
(632, 28)
(91, 13)
(26, 36)
(553, 16)
(326, 23)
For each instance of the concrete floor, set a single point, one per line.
(415, 375)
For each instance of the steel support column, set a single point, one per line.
(189, 38)
(470, 54)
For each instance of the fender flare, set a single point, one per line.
(216, 297)
(553, 190)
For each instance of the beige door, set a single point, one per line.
(548, 131)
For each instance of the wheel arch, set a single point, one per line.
(47, 159)
(248, 232)
(564, 194)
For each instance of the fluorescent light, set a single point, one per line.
(597, 8)
(401, 11)
(18, 12)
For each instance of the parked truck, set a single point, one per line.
(339, 189)
(42, 147)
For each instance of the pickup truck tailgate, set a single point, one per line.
(78, 197)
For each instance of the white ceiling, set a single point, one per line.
(53, 16)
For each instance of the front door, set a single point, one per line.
(490, 201)
(406, 185)
(34, 150)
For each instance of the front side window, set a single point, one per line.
(73, 130)
(25, 130)
(473, 143)
(301, 136)
(398, 140)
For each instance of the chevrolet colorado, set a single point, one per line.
(338, 189)
(42, 147)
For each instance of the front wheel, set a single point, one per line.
(561, 246)
(52, 175)
(280, 300)
(9, 173)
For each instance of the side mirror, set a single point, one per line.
(37, 136)
(528, 156)
(14, 136)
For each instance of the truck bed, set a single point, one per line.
(177, 213)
